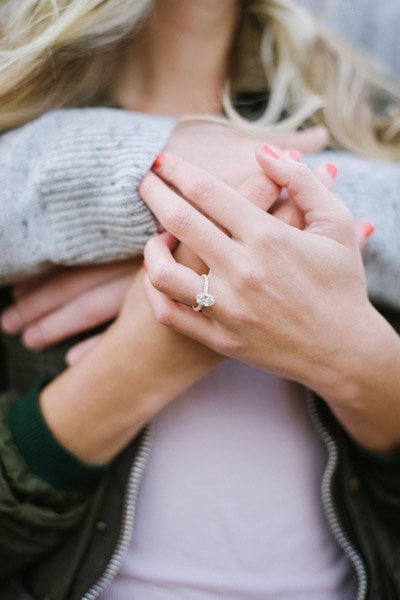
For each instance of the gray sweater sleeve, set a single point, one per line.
(371, 190)
(69, 188)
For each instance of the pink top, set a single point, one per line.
(230, 503)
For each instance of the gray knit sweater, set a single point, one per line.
(68, 194)
(69, 188)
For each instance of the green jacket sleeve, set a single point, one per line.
(34, 515)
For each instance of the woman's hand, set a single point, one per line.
(66, 302)
(54, 307)
(292, 302)
(98, 405)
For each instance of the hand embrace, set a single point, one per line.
(290, 301)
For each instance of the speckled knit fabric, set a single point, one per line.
(69, 188)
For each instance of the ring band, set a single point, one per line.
(204, 298)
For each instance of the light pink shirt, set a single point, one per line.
(230, 503)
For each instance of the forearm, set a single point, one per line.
(96, 407)
(363, 385)
(367, 388)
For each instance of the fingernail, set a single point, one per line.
(368, 229)
(296, 155)
(11, 321)
(268, 150)
(158, 161)
(332, 170)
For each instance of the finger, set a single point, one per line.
(186, 223)
(210, 195)
(364, 230)
(28, 285)
(185, 256)
(56, 291)
(312, 139)
(175, 280)
(286, 211)
(323, 212)
(327, 174)
(183, 319)
(93, 308)
(77, 352)
(260, 190)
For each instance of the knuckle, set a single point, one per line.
(230, 346)
(164, 316)
(274, 238)
(201, 188)
(159, 276)
(224, 344)
(299, 178)
(342, 217)
(302, 171)
(178, 220)
(345, 214)
(251, 278)
(27, 308)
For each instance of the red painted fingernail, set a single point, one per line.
(332, 170)
(158, 161)
(268, 150)
(144, 265)
(296, 155)
(369, 229)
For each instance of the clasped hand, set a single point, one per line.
(291, 301)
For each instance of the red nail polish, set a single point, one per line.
(296, 155)
(369, 229)
(268, 150)
(332, 170)
(158, 161)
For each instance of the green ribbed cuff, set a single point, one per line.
(41, 450)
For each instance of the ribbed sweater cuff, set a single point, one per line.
(43, 453)
(89, 184)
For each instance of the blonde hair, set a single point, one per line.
(59, 53)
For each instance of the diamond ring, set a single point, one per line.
(204, 298)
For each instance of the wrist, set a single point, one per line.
(363, 385)
(97, 406)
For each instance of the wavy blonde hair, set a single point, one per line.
(59, 53)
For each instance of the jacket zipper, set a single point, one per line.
(131, 496)
(328, 502)
(132, 491)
